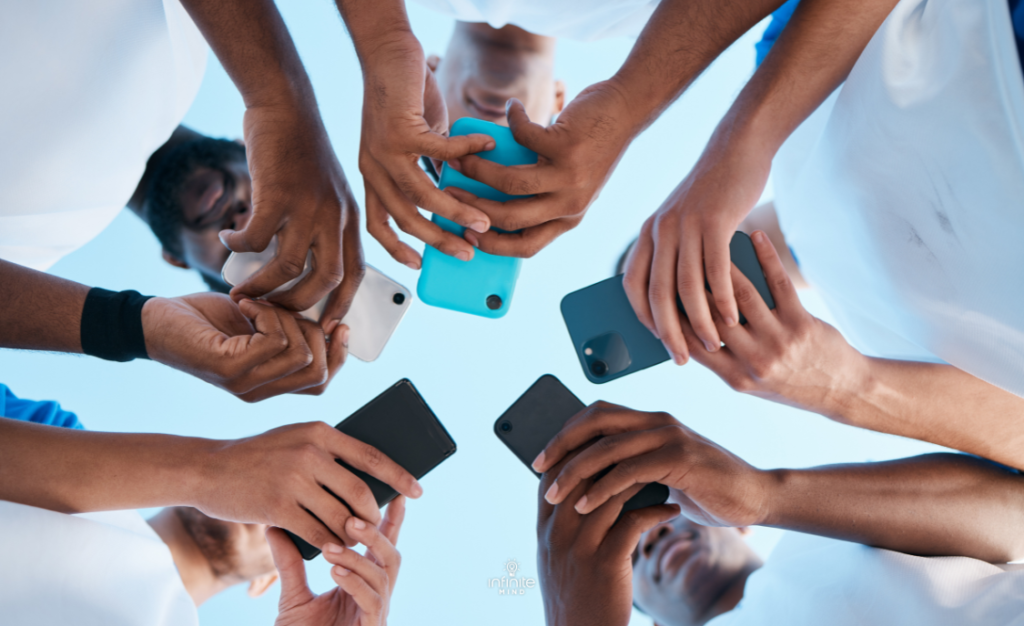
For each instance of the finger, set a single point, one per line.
(544, 508)
(243, 352)
(565, 519)
(783, 292)
(692, 292)
(526, 133)
(374, 462)
(340, 300)
(738, 339)
(414, 184)
(369, 601)
(595, 527)
(302, 353)
(718, 269)
(514, 180)
(311, 529)
(331, 505)
(523, 244)
(378, 548)
(363, 567)
(442, 148)
(256, 235)
(636, 280)
(600, 419)
(758, 315)
(327, 273)
(336, 351)
(723, 362)
(294, 587)
(350, 489)
(652, 465)
(377, 224)
(291, 260)
(626, 533)
(662, 295)
(394, 515)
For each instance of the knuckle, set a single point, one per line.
(743, 294)
(373, 457)
(291, 265)
(661, 291)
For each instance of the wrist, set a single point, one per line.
(855, 385)
(202, 472)
(774, 483)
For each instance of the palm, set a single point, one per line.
(334, 608)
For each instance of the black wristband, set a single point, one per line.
(112, 325)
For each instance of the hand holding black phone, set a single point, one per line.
(399, 423)
(538, 415)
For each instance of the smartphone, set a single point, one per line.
(484, 285)
(242, 265)
(538, 415)
(399, 423)
(609, 339)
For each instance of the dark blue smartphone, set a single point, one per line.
(609, 339)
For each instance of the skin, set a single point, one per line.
(74, 471)
(687, 238)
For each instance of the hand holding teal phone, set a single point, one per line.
(484, 285)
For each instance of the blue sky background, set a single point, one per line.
(479, 508)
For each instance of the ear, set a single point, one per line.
(259, 586)
(559, 97)
(433, 61)
(173, 260)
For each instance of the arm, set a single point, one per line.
(300, 193)
(75, 471)
(789, 356)
(404, 116)
(581, 149)
(934, 505)
(689, 234)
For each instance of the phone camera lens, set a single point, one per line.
(494, 302)
(505, 426)
(398, 298)
(599, 368)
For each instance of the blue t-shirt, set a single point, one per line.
(40, 412)
(782, 15)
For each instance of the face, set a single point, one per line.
(685, 573)
(211, 201)
(236, 552)
(484, 67)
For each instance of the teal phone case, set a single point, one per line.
(484, 285)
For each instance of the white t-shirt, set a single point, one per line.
(576, 19)
(813, 581)
(903, 195)
(100, 569)
(90, 91)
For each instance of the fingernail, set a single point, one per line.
(222, 235)
(552, 492)
(729, 320)
(480, 227)
(581, 504)
(711, 347)
(538, 462)
(678, 359)
(455, 165)
(357, 523)
(334, 548)
(340, 571)
(417, 489)
(472, 238)
(412, 266)
(508, 105)
(331, 326)
(758, 236)
(344, 336)
(462, 255)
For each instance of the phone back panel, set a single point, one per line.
(377, 309)
(609, 339)
(535, 418)
(484, 285)
(399, 423)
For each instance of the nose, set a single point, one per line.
(653, 536)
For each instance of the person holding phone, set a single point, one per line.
(868, 542)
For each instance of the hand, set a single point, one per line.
(253, 350)
(365, 583)
(585, 563)
(404, 117)
(713, 486)
(786, 355)
(300, 194)
(689, 236)
(576, 156)
(282, 478)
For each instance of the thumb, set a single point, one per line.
(628, 529)
(294, 588)
(525, 132)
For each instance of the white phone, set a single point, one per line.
(377, 309)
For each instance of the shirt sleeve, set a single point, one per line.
(45, 412)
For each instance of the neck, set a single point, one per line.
(509, 36)
(180, 135)
(194, 569)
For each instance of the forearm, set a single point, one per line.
(811, 58)
(76, 471)
(932, 505)
(40, 311)
(682, 38)
(937, 403)
(252, 43)
(373, 23)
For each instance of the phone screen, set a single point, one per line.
(399, 423)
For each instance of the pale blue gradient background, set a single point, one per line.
(479, 508)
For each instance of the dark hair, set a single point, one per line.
(162, 207)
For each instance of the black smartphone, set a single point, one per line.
(535, 418)
(609, 339)
(399, 423)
